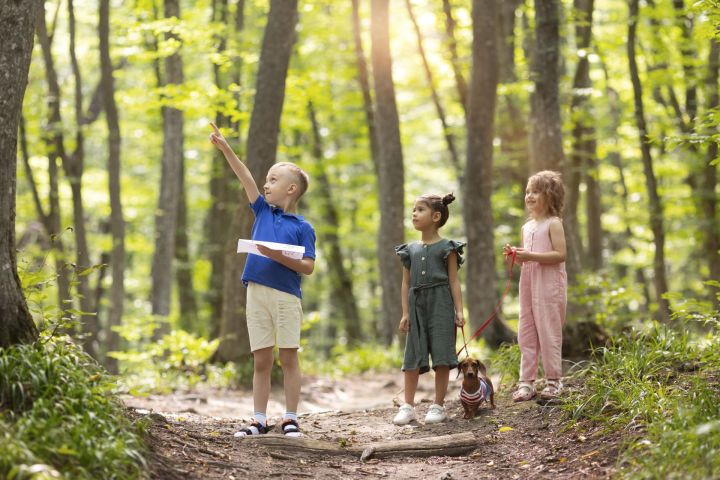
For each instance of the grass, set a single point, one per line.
(59, 417)
(661, 386)
(506, 361)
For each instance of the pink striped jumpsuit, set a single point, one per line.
(543, 298)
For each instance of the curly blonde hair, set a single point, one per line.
(549, 184)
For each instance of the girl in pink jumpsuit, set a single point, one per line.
(543, 286)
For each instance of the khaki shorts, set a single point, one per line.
(273, 317)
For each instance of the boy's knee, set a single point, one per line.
(263, 359)
(289, 357)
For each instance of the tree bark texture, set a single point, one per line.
(546, 137)
(655, 204)
(443, 445)
(17, 22)
(507, 40)
(587, 143)
(687, 49)
(184, 264)
(169, 199)
(391, 177)
(583, 158)
(74, 170)
(117, 222)
(262, 142)
(224, 189)
(482, 295)
(54, 141)
(709, 183)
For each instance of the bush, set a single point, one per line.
(363, 358)
(663, 386)
(59, 417)
(178, 361)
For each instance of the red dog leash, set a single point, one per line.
(510, 262)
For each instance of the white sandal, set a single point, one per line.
(525, 391)
(552, 390)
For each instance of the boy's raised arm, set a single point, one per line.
(240, 169)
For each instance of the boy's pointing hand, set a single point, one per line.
(217, 139)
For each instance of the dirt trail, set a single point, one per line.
(191, 436)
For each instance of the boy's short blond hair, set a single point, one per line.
(301, 176)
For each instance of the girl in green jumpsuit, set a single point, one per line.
(431, 304)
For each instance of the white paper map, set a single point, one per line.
(250, 246)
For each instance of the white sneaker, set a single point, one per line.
(405, 415)
(436, 414)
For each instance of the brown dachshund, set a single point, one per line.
(476, 386)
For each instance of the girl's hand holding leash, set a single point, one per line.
(459, 319)
(521, 254)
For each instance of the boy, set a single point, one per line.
(273, 283)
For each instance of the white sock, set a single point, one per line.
(261, 418)
(291, 416)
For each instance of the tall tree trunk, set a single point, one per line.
(53, 138)
(546, 137)
(224, 189)
(17, 22)
(184, 264)
(709, 184)
(460, 83)
(447, 133)
(583, 161)
(655, 205)
(507, 40)
(687, 49)
(341, 295)
(168, 202)
(513, 134)
(364, 82)
(117, 222)
(482, 294)
(29, 172)
(391, 177)
(262, 142)
(74, 169)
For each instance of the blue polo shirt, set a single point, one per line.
(274, 225)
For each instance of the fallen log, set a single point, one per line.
(443, 445)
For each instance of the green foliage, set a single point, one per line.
(344, 360)
(177, 361)
(611, 302)
(664, 385)
(506, 361)
(59, 417)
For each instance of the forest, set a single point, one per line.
(121, 283)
